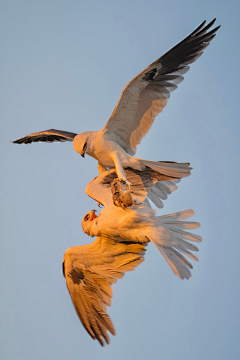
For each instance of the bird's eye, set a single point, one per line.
(85, 146)
(87, 217)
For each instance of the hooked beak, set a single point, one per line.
(93, 216)
(84, 150)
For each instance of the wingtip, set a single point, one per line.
(15, 141)
(99, 339)
(113, 331)
(217, 28)
(211, 24)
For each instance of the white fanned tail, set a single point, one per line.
(172, 240)
(169, 174)
(170, 169)
(160, 191)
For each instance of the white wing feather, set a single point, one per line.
(90, 270)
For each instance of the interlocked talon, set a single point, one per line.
(121, 194)
(124, 181)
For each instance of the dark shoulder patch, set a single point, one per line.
(63, 268)
(130, 242)
(109, 178)
(76, 275)
(150, 75)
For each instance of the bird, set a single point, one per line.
(122, 237)
(142, 99)
(139, 223)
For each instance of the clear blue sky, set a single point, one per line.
(64, 65)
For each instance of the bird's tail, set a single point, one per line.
(169, 170)
(170, 238)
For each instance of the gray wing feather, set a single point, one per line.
(49, 136)
(146, 95)
(147, 183)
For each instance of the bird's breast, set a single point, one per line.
(102, 148)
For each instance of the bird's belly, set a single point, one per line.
(120, 224)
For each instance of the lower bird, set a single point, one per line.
(122, 237)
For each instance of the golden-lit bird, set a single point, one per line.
(141, 101)
(122, 237)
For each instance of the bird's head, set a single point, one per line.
(81, 143)
(88, 220)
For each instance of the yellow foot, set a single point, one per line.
(125, 182)
(135, 203)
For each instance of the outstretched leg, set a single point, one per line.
(119, 169)
(101, 169)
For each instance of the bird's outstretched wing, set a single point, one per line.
(90, 270)
(147, 183)
(46, 136)
(146, 95)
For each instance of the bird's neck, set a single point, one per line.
(94, 230)
(91, 143)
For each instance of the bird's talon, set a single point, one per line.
(124, 181)
(136, 203)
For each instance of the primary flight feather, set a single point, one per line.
(90, 270)
(141, 101)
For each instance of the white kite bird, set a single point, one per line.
(141, 101)
(122, 237)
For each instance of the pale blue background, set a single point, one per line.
(64, 65)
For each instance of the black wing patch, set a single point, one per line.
(188, 50)
(76, 275)
(180, 56)
(150, 75)
(63, 268)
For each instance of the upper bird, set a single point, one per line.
(141, 101)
